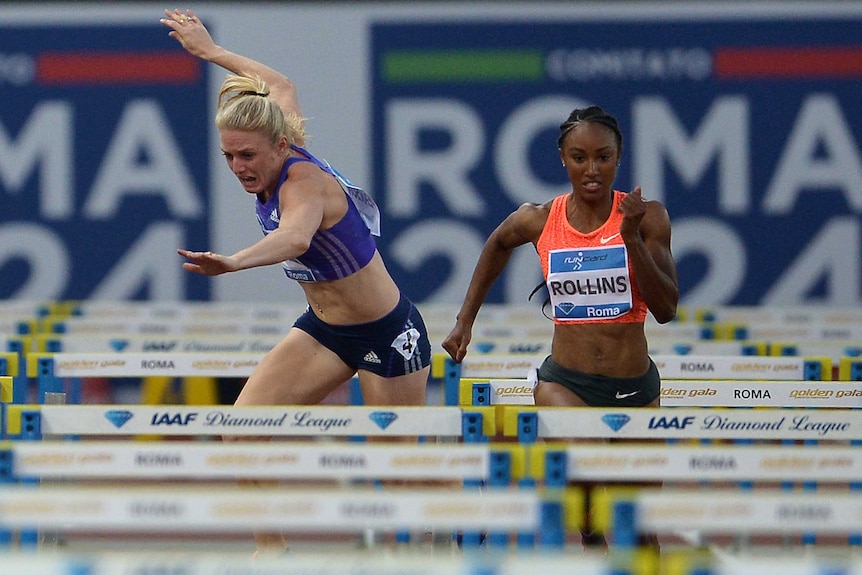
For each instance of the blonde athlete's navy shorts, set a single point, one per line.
(601, 391)
(396, 344)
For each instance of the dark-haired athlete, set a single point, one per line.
(606, 260)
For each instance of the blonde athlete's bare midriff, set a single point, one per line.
(365, 296)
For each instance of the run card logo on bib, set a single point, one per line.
(589, 283)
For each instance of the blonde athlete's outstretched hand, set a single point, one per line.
(207, 263)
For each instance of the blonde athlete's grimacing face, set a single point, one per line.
(590, 155)
(254, 160)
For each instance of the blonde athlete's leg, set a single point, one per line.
(406, 389)
(297, 371)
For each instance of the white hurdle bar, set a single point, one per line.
(145, 364)
(203, 326)
(213, 510)
(695, 423)
(51, 368)
(136, 563)
(438, 421)
(262, 421)
(210, 563)
(694, 393)
(107, 343)
(765, 511)
(118, 459)
(710, 367)
(719, 463)
(207, 461)
(790, 368)
(281, 323)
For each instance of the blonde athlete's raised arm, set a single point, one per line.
(191, 33)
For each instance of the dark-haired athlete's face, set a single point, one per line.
(253, 159)
(590, 155)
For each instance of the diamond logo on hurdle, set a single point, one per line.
(119, 344)
(383, 418)
(615, 421)
(118, 417)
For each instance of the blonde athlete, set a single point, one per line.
(320, 228)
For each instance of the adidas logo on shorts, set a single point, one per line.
(371, 357)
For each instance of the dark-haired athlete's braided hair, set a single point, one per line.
(547, 301)
(590, 114)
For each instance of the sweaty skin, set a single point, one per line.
(590, 156)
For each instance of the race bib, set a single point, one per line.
(589, 283)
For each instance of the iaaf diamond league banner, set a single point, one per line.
(103, 163)
(747, 128)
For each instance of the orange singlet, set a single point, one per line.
(589, 276)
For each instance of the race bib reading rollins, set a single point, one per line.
(589, 283)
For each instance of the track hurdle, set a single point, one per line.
(604, 462)
(703, 393)
(441, 317)
(691, 393)
(153, 389)
(776, 314)
(112, 343)
(518, 366)
(697, 467)
(33, 421)
(657, 346)
(832, 465)
(99, 326)
(296, 421)
(52, 370)
(731, 512)
(161, 328)
(789, 424)
(471, 464)
(505, 383)
(170, 310)
(61, 372)
(121, 459)
(214, 563)
(780, 332)
(11, 365)
(168, 327)
(213, 510)
(220, 563)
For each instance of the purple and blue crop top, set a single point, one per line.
(338, 252)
